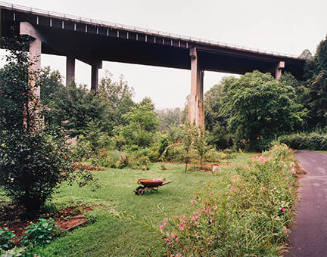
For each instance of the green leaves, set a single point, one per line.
(41, 232)
(257, 105)
(7, 238)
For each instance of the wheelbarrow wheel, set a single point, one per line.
(139, 190)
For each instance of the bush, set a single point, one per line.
(41, 232)
(309, 141)
(250, 218)
(34, 158)
(31, 166)
(7, 238)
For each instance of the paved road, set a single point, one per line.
(309, 233)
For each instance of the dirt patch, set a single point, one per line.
(67, 218)
(71, 223)
(86, 167)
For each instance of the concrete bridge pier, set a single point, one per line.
(279, 70)
(70, 70)
(35, 48)
(95, 75)
(195, 106)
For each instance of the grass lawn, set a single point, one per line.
(129, 224)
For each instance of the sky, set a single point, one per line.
(284, 26)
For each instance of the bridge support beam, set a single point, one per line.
(279, 70)
(95, 76)
(195, 105)
(70, 70)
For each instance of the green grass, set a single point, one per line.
(128, 225)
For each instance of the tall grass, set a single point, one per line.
(250, 218)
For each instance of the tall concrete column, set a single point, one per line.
(70, 70)
(279, 70)
(35, 47)
(95, 75)
(195, 106)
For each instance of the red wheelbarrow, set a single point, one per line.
(149, 184)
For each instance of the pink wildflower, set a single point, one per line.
(293, 170)
(215, 207)
(262, 189)
(283, 209)
(197, 235)
(167, 240)
(203, 210)
(210, 242)
(193, 202)
(177, 239)
(164, 220)
(172, 235)
(286, 178)
(178, 255)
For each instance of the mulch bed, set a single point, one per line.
(205, 166)
(86, 167)
(67, 218)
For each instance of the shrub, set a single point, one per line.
(309, 141)
(34, 158)
(7, 238)
(31, 166)
(250, 218)
(41, 232)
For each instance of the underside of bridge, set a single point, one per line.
(93, 43)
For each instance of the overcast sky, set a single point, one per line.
(286, 26)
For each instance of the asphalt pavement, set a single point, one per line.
(309, 233)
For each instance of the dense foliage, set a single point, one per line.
(34, 157)
(251, 219)
(258, 107)
(309, 141)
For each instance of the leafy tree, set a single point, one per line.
(200, 144)
(118, 97)
(33, 159)
(215, 122)
(141, 126)
(187, 142)
(51, 83)
(258, 107)
(315, 72)
(74, 107)
(169, 117)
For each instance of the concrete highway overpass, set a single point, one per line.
(93, 41)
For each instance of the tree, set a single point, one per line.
(74, 107)
(316, 74)
(215, 122)
(187, 142)
(258, 107)
(169, 118)
(118, 97)
(31, 160)
(34, 160)
(141, 125)
(200, 144)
